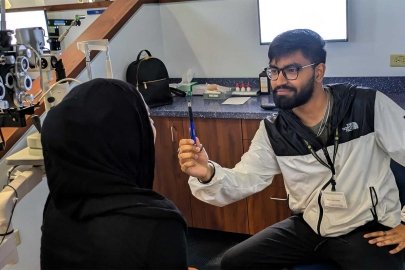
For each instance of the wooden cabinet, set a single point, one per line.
(266, 208)
(170, 181)
(222, 140)
(270, 205)
(262, 209)
(225, 141)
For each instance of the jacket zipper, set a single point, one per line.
(374, 203)
(153, 81)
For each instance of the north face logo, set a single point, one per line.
(350, 127)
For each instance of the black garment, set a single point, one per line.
(292, 241)
(351, 103)
(112, 242)
(101, 212)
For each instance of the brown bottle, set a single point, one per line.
(264, 82)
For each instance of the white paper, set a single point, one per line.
(236, 100)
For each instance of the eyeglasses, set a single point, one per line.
(290, 72)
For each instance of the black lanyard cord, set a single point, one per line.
(330, 164)
(374, 202)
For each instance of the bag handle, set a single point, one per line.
(139, 54)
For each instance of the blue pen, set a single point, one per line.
(190, 115)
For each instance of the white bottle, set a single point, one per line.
(237, 89)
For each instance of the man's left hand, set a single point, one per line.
(395, 236)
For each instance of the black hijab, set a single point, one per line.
(99, 153)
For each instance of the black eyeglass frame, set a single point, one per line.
(282, 70)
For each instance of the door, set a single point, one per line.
(170, 181)
(222, 139)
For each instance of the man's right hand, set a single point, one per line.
(193, 159)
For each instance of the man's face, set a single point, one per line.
(288, 94)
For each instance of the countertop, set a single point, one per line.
(210, 108)
(213, 108)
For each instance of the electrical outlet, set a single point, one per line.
(397, 60)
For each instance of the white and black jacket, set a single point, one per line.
(371, 131)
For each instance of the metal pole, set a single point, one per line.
(88, 61)
(3, 14)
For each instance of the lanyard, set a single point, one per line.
(330, 164)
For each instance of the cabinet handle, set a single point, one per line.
(278, 199)
(173, 133)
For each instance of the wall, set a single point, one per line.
(221, 39)
(215, 38)
(143, 31)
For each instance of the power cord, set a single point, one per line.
(55, 84)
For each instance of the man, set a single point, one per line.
(333, 145)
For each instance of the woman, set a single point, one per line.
(101, 212)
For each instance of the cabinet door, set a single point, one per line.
(222, 139)
(170, 181)
(249, 128)
(263, 210)
(268, 206)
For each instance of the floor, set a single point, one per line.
(206, 247)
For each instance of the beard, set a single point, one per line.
(297, 99)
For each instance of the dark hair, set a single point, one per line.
(310, 43)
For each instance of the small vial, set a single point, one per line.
(242, 87)
(248, 87)
(237, 87)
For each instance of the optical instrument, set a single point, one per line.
(23, 50)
